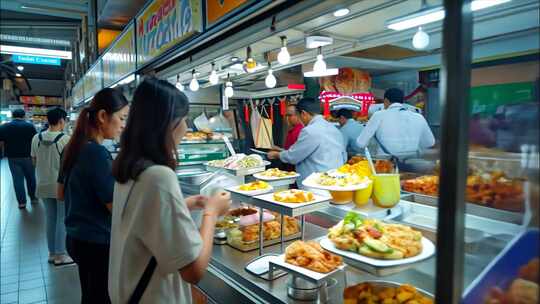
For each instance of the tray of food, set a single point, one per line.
(382, 292)
(308, 260)
(377, 243)
(239, 164)
(275, 174)
(291, 202)
(245, 237)
(512, 277)
(492, 189)
(252, 189)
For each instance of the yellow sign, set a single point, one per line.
(163, 24)
(217, 9)
(119, 60)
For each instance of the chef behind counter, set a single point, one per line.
(320, 146)
(399, 133)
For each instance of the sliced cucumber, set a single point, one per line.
(378, 246)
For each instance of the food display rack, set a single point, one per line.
(238, 172)
(257, 265)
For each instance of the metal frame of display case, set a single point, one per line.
(455, 87)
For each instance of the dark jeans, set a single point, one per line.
(93, 262)
(23, 169)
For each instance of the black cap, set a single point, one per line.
(310, 105)
(18, 113)
(394, 95)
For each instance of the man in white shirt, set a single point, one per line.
(320, 146)
(350, 129)
(398, 132)
(47, 147)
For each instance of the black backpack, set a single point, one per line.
(48, 143)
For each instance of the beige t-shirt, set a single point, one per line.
(155, 222)
(47, 162)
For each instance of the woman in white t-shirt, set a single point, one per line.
(156, 248)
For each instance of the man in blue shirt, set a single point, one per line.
(17, 138)
(350, 129)
(320, 146)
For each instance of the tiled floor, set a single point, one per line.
(25, 275)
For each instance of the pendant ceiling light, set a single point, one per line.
(229, 91)
(250, 64)
(270, 81)
(178, 84)
(283, 56)
(420, 39)
(320, 65)
(194, 84)
(213, 78)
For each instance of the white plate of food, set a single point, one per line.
(309, 260)
(253, 188)
(275, 174)
(330, 182)
(377, 243)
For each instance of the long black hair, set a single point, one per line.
(108, 100)
(157, 108)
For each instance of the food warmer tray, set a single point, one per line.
(470, 208)
(238, 172)
(278, 262)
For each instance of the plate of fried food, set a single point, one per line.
(253, 188)
(377, 243)
(382, 292)
(245, 236)
(309, 259)
(274, 174)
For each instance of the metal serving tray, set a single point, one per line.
(238, 172)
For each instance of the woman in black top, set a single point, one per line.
(86, 183)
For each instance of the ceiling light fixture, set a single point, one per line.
(424, 16)
(319, 65)
(283, 56)
(429, 14)
(342, 12)
(194, 84)
(229, 91)
(19, 50)
(234, 59)
(18, 75)
(481, 4)
(270, 81)
(213, 78)
(420, 39)
(20, 68)
(250, 64)
(178, 84)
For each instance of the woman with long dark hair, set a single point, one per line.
(86, 183)
(156, 249)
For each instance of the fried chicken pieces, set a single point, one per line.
(310, 255)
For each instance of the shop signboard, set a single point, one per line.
(92, 81)
(36, 60)
(163, 24)
(487, 99)
(216, 10)
(119, 60)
